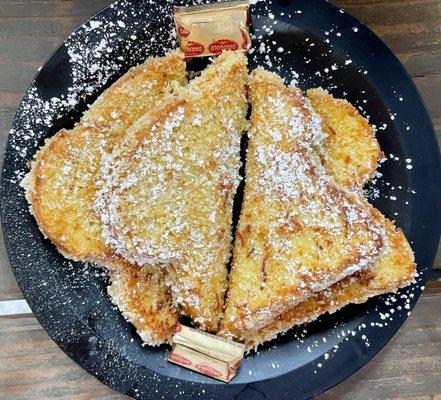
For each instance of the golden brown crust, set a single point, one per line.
(395, 270)
(67, 172)
(169, 198)
(299, 232)
(351, 158)
(59, 215)
(143, 299)
(350, 155)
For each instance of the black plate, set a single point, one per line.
(326, 47)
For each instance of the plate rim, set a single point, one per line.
(363, 360)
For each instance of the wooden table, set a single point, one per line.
(32, 366)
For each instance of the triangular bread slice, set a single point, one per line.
(299, 232)
(350, 158)
(145, 301)
(66, 172)
(169, 198)
(394, 270)
(351, 153)
(66, 175)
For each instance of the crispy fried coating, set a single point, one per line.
(169, 199)
(67, 173)
(299, 232)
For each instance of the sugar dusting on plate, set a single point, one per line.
(94, 63)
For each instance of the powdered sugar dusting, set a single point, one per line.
(285, 177)
(89, 71)
(181, 173)
(92, 62)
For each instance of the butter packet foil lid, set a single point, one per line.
(209, 29)
(207, 354)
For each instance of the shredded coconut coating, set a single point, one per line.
(350, 154)
(144, 300)
(351, 158)
(169, 197)
(299, 232)
(66, 172)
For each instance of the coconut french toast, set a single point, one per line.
(169, 198)
(394, 270)
(299, 232)
(66, 172)
(143, 298)
(66, 176)
(349, 151)
(352, 157)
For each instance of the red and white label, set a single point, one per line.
(194, 49)
(219, 46)
(209, 371)
(177, 358)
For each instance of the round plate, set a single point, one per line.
(325, 47)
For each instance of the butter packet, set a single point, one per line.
(205, 353)
(209, 29)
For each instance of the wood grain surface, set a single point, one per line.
(32, 366)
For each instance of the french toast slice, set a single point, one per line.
(143, 298)
(349, 153)
(66, 172)
(394, 270)
(299, 232)
(169, 198)
(350, 158)
(66, 175)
